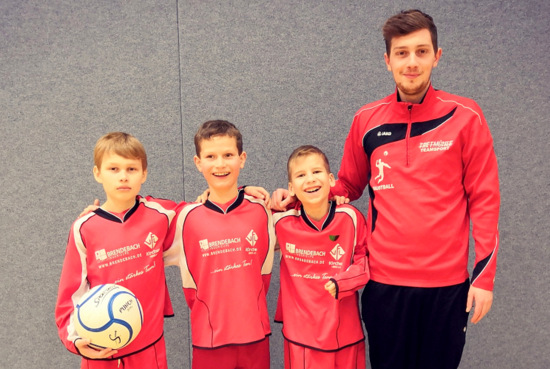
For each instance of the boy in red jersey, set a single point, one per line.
(98, 252)
(224, 249)
(323, 265)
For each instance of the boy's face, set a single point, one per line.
(121, 179)
(411, 60)
(309, 180)
(220, 163)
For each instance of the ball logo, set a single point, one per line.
(116, 338)
(126, 305)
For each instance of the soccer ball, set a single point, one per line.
(109, 315)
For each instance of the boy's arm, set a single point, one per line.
(72, 285)
(357, 274)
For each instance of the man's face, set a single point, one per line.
(411, 60)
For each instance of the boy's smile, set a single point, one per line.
(310, 181)
(220, 163)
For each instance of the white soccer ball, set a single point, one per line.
(109, 315)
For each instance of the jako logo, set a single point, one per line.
(384, 133)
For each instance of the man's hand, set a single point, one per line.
(340, 200)
(482, 300)
(91, 353)
(281, 199)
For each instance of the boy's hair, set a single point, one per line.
(306, 150)
(405, 22)
(213, 128)
(120, 143)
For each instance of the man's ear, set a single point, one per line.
(331, 180)
(387, 60)
(437, 57)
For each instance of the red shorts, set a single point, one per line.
(153, 357)
(250, 356)
(299, 357)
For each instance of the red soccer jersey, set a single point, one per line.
(103, 248)
(430, 169)
(310, 257)
(225, 259)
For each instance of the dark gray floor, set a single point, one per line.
(286, 72)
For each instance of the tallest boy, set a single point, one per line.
(427, 158)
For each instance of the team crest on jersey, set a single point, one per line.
(252, 238)
(151, 240)
(337, 252)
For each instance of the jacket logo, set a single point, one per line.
(380, 165)
(384, 133)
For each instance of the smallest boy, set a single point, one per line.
(323, 265)
(121, 242)
(224, 249)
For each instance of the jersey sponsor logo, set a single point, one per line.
(431, 146)
(383, 133)
(101, 255)
(219, 246)
(291, 248)
(337, 252)
(252, 238)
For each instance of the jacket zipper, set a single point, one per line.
(409, 127)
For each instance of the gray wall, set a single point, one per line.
(287, 72)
